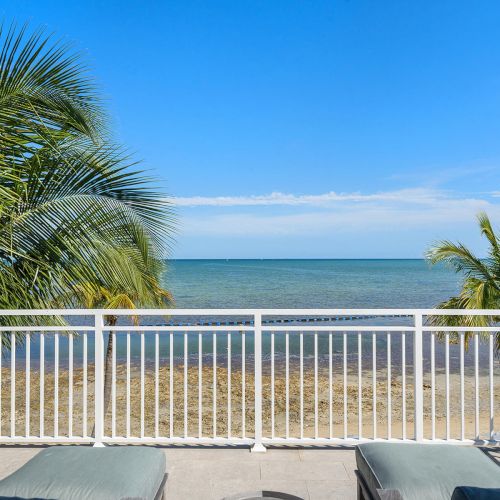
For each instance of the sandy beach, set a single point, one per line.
(324, 424)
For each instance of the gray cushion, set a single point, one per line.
(425, 470)
(473, 493)
(79, 472)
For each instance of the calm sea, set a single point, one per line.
(285, 284)
(297, 283)
(328, 283)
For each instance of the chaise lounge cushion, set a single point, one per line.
(79, 472)
(473, 493)
(424, 470)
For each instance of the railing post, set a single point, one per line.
(418, 362)
(99, 380)
(258, 446)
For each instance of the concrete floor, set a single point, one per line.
(211, 473)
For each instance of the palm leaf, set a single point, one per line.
(80, 224)
(480, 287)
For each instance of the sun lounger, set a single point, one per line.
(80, 472)
(432, 471)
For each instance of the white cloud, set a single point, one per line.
(396, 211)
(416, 195)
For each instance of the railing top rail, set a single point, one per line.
(250, 312)
(245, 328)
(456, 329)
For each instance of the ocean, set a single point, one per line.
(304, 283)
(297, 283)
(287, 284)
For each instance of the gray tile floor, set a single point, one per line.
(208, 473)
(213, 473)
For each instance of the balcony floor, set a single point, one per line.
(208, 473)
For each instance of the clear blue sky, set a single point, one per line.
(302, 129)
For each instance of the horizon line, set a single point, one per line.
(295, 258)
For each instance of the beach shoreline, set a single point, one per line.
(330, 420)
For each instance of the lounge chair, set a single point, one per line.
(394, 471)
(80, 472)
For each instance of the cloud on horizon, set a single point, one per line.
(400, 223)
(415, 195)
(395, 211)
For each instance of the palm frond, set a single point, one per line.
(480, 287)
(80, 224)
(44, 84)
(460, 258)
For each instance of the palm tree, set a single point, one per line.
(93, 297)
(77, 218)
(46, 101)
(481, 284)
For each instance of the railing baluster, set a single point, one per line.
(99, 380)
(301, 368)
(345, 384)
(70, 385)
(272, 385)
(389, 388)
(157, 385)
(142, 334)
(287, 386)
(462, 387)
(330, 384)
(127, 395)
(491, 388)
(360, 388)
(214, 385)
(243, 386)
(258, 446)
(113, 385)
(84, 388)
(56, 385)
(171, 385)
(447, 383)
(476, 385)
(1, 356)
(200, 385)
(186, 384)
(12, 384)
(27, 384)
(374, 383)
(316, 430)
(418, 381)
(403, 384)
(433, 386)
(229, 411)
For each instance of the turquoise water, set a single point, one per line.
(332, 283)
(285, 284)
(308, 283)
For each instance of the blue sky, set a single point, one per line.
(302, 129)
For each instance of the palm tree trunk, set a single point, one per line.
(108, 362)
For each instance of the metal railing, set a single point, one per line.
(256, 377)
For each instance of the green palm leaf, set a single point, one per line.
(76, 214)
(481, 284)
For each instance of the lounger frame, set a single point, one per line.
(364, 492)
(160, 494)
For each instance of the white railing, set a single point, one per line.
(256, 377)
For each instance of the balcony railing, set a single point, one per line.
(256, 377)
